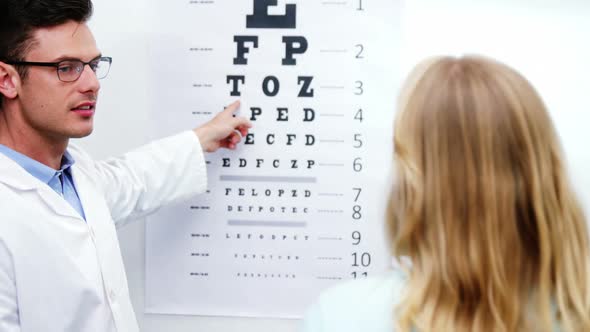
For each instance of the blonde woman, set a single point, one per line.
(483, 209)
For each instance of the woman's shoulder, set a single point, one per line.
(357, 305)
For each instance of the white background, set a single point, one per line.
(547, 40)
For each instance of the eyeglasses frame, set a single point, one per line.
(58, 63)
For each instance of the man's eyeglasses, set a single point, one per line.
(71, 70)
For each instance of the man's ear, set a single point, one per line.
(9, 81)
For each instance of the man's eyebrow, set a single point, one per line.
(68, 57)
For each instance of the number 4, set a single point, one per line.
(359, 115)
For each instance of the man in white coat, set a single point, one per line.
(60, 263)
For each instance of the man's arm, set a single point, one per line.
(167, 170)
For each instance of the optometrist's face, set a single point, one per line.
(54, 109)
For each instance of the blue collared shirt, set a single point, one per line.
(60, 181)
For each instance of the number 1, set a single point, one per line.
(360, 7)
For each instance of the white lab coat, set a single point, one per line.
(60, 273)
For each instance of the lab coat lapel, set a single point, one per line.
(57, 203)
(87, 193)
(14, 176)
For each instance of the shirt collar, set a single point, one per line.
(40, 171)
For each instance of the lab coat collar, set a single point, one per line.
(36, 168)
(13, 175)
(16, 177)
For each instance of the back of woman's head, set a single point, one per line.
(482, 205)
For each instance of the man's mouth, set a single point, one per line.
(85, 109)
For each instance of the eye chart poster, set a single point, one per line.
(300, 205)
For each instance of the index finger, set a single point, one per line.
(231, 108)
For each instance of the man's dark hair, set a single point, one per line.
(20, 18)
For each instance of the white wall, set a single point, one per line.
(545, 39)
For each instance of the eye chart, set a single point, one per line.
(299, 206)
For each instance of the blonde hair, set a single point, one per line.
(482, 205)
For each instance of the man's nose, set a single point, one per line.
(89, 79)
